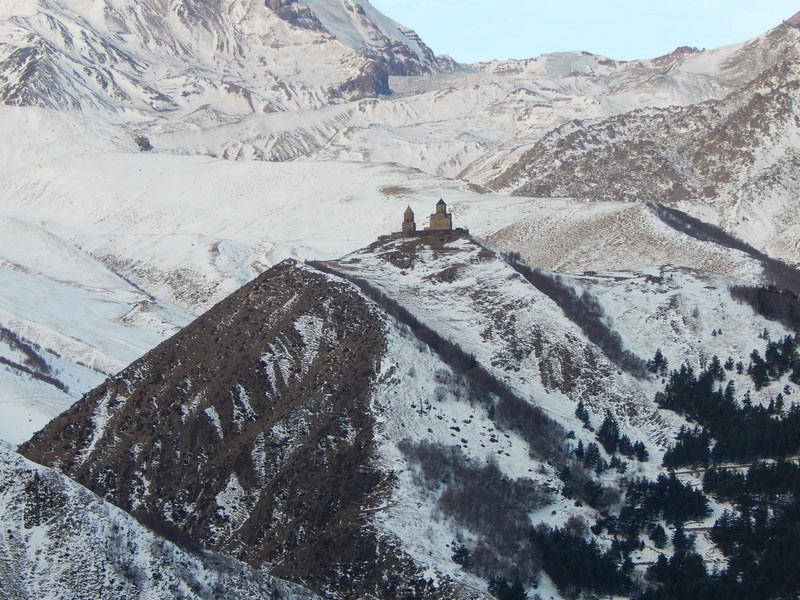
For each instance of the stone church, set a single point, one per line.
(441, 220)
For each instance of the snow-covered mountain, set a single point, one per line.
(732, 161)
(242, 428)
(191, 58)
(160, 155)
(67, 323)
(475, 123)
(226, 78)
(302, 80)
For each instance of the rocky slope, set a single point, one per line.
(274, 464)
(60, 541)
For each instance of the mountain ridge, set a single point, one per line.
(254, 512)
(734, 155)
(94, 548)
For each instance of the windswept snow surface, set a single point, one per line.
(85, 321)
(193, 229)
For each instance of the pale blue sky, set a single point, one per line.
(622, 29)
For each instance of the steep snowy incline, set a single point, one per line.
(357, 24)
(470, 296)
(60, 541)
(517, 331)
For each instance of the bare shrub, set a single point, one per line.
(442, 376)
(544, 436)
(487, 502)
(770, 302)
(30, 349)
(56, 383)
(169, 531)
(577, 526)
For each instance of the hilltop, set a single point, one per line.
(417, 358)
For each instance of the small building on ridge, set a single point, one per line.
(409, 225)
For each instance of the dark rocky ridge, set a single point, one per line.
(675, 55)
(297, 14)
(250, 431)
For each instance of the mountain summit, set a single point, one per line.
(357, 24)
